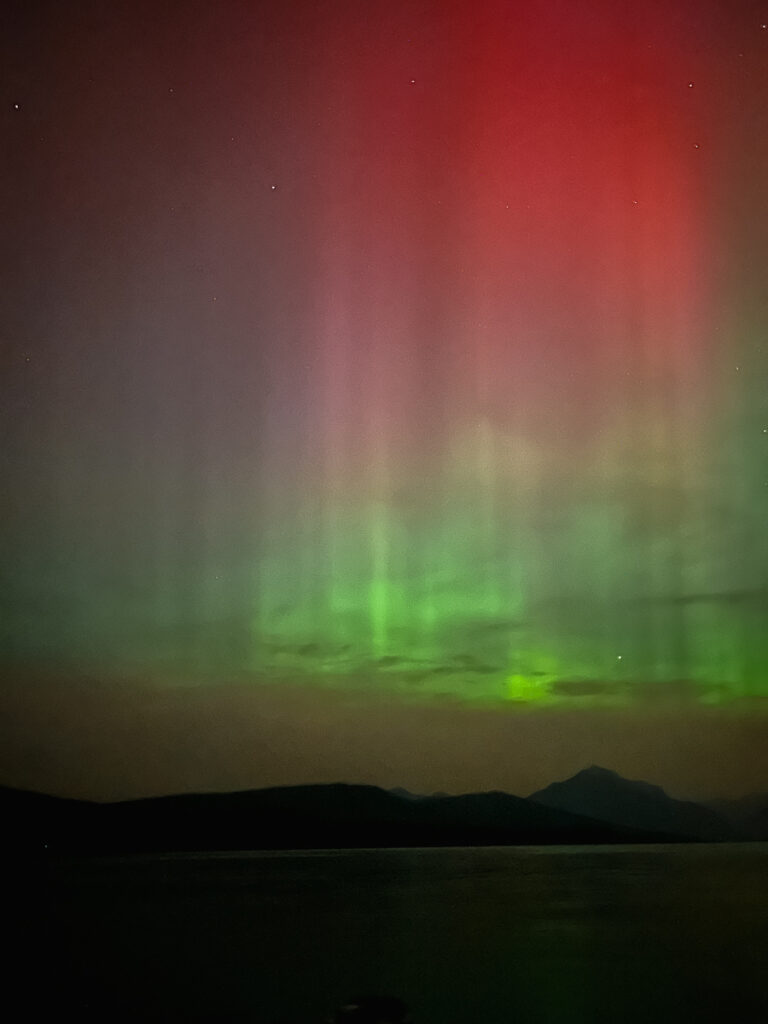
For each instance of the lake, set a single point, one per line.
(515, 934)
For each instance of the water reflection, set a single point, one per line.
(487, 935)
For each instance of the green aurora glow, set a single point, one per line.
(462, 396)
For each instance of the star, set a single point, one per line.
(15, 106)
(690, 85)
(273, 187)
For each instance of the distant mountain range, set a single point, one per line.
(748, 816)
(595, 806)
(598, 793)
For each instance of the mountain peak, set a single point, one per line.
(605, 795)
(595, 771)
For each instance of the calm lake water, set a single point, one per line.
(528, 935)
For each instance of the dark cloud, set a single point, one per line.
(647, 691)
(464, 664)
(308, 650)
(311, 649)
(469, 663)
(464, 659)
(585, 687)
(659, 691)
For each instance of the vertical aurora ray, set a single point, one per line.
(524, 527)
(435, 364)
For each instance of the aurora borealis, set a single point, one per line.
(413, 352)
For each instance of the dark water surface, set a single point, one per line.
(529, 935)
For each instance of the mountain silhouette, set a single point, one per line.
(604, 795)
(748, 815)
(595, 806)
(294, 817)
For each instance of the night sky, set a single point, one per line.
(384, 394)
